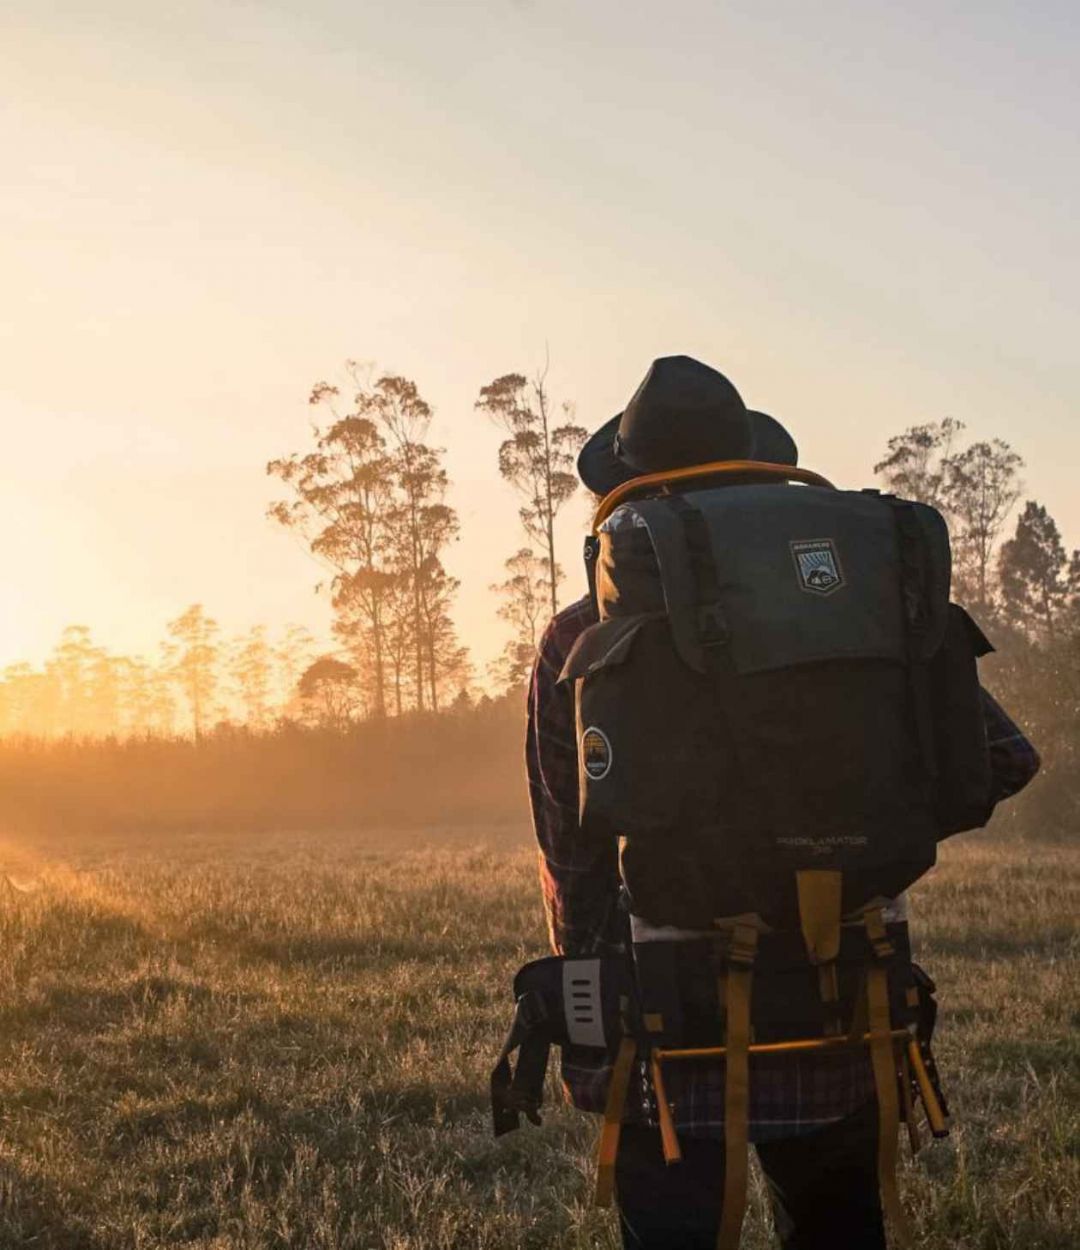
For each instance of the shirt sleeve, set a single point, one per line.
(578, 872)
(1013, 759)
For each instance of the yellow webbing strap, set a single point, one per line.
(820, 894)
(819, 913)
(874, 920)
(883, 1059)
(935, 1116)
(906, 1078)
(829, 989)
(668, 1138)
(740, 971)
(613, 1113)
(860, 1020)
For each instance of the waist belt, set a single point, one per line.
(558, 1002)
(894, 910)
(611, 1006)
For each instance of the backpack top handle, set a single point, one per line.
(717, 468)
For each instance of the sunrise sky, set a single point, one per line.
(862, 212)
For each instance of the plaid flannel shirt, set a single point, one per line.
(579, 875)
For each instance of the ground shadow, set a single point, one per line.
(91, 1009)
(32, 1214)
(1053, 1057)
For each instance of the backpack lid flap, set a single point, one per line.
(805, 575)
(602, 645)
(980, 644)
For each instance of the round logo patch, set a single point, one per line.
(595, 753)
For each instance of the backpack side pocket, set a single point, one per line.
(636, 707)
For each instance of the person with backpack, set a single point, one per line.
(743, 746)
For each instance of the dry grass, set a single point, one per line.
(285, 1043)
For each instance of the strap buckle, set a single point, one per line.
(880, 942)
(712, 625)
(531, 1009)
(742, 947)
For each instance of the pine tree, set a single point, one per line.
(916, 462)
(1036, 576)
(343, 493)
(537, 458)
(975, 487)
(982, 488)
(193, 657)
(329, 690)
(251, 667)
(372, 502)
(525, 595)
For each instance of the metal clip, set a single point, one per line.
(712, 626)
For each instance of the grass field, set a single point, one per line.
(285, 1042)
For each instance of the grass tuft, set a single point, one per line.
(269, 1043)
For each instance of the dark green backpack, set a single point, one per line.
(778, 682)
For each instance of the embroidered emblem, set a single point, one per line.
(817, 566)
(595, 753)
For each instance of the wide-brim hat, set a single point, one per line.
(683, 413)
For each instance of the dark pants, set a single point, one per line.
(823, 1187)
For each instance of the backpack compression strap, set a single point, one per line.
(884, 1061)
(913, 586)
(613, 1115)
(820, 893)
(740, 970)
(521, 1092)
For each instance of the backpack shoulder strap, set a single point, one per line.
(592, 555)
(915, 595)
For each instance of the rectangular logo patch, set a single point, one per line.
(817, 565)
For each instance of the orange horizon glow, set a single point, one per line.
(208, 211)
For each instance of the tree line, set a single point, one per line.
(370, 497)
(1026, 585)
(197, 679)
(1021, 582)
